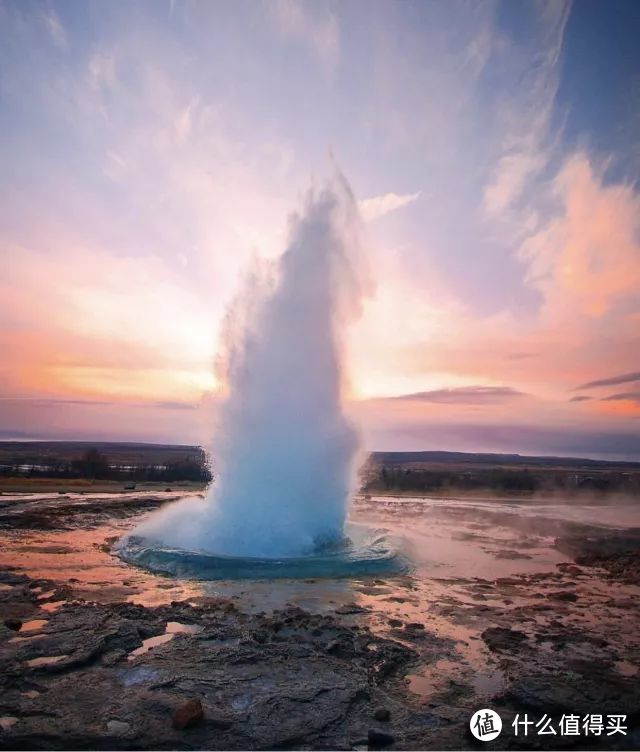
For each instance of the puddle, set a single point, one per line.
(31, 694)
(7, 721)
(172, 629)
(176, 627)
(46, 660)
(150, 642)
(33, 625)
(241, 702)
(432, 678)
(52, 606)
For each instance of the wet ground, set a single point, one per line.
(497, 613)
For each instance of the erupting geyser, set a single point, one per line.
(285, 453)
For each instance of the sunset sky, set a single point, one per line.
(150, 150)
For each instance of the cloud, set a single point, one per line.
(526, 117)
(510, 178)
(580, 398)
(313, 24)
(379, 206)
(138, 153)
(611, 381)
(470, 395)
(45, 402)
(169, 405)
(586, 259)
(624, 397)
(55, 28)
(520, 355)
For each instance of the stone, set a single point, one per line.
(563, 595)
(382, 714)
(188, 714)
(113, 657)
(377, 738)
(503, 638)
(118, 728)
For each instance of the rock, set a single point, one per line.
(377, 738)
(118, 728)
(382, 714)
(282, 694)
(502, 638)
(563, 595)
(333, 646)
(509, 554)
(414, 625)
(188, 714)
(113, 657)
(13, 624)
(219, 722)
(395, 622)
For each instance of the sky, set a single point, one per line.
(151, 150)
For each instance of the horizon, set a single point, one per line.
(494, 153)
(99, 442)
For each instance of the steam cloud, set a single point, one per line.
(285, 454)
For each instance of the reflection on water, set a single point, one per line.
(150, 642)
(52, 606)
(459, 549)
(176, 627)
(172, 629)
(46, 660)
(33, 625)
(444, 538)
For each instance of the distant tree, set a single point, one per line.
(93, 464)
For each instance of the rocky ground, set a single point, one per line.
(67, 512)
(398, 663)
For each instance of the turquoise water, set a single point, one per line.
(364, 551)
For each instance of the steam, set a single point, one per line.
(285, 454)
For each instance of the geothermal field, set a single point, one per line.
(319, 375)
(520, 605)
(304, 598)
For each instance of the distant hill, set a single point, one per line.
(99, 460)
(117, 452)
(519, 460)
(455, 472)
(145, 453)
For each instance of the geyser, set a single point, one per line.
(285, 453)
